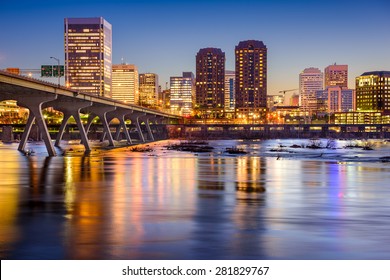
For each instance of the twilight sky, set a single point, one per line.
(163, 37)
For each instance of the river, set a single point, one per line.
(275, 202)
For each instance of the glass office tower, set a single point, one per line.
(88, 55)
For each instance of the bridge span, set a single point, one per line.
(36, 95)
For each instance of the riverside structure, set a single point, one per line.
(36, 95)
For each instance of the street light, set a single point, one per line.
(58, 69)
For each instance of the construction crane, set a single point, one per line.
(287, 90)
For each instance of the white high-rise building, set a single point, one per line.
(182, 94)
(125, 83)
(310, 80)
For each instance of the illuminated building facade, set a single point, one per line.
(210, 79)
(230, 91)
(148, 90)
(165, 96)
(125, 83)
(251, 80)
(373, 91)
(182, 93)
(335, 99)
(88, 55)
(357, 117)
(310, 80)
(336, 75)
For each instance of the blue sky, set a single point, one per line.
(164, 36)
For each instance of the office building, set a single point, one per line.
(336, 75)
(125, 83)
(373, 91)
(251, 80)
(210, 79)
(335, 99)
(310, 80)
(165, 99)
(148, 90)
(182, 94)
(88, 58)
(230, 91)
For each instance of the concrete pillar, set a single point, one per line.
(147, 118)
(26, 132)
(120, 114)
(71, 107)
(34, 103)
(101, 111)
(135, 118)
(91, 117)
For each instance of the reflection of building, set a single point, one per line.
(373, 91)
(148, 90)
(125, 83)
(230, 93)
(210, 79)
(336, 75)
(88, 47)
(251, 79)
(335, 99)
(310, 81)
(182, 94)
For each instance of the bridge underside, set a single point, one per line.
(36, 96)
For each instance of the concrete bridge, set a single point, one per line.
(36, 95)
(266, 131)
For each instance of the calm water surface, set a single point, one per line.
(118, 204)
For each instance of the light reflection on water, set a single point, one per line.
(171, 205)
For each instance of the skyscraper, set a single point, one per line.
(210, 77)
(310, 81)
(182, 94)
(373, 91)
(336, 75)
(125, 83)
(148, 90)
(251, 80)
(88, 58)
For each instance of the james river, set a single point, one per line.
(164, 204)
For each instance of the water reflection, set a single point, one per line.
(122, 205)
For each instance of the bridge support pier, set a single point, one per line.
(101, 112)
(34, 105)
(146, 119)
(135, 118)
(120, 114)
(71, 108)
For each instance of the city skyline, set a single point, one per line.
(296, 34)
